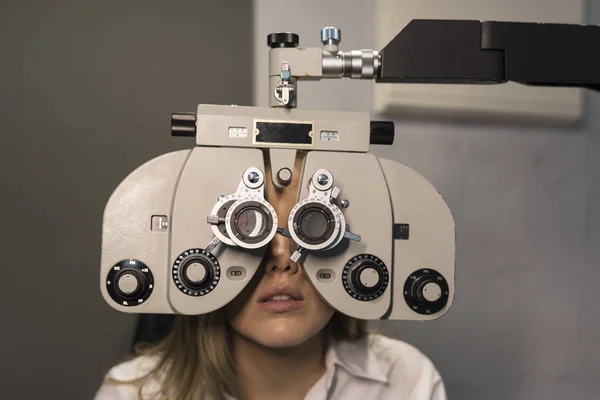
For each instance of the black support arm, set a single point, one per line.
(474, 52)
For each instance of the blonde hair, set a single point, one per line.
(196, 358)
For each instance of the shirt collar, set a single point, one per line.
(358, 358)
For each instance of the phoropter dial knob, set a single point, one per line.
(426, 291)
(282, 39)
(196, 272)
(365, 277)
(129, 282)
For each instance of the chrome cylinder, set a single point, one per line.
(355, 64)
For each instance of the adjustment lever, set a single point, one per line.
(284, 232)
(213, 243)
(352, 236)
(297, 254)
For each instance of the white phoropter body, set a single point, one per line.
(366, 227)
(185, 232)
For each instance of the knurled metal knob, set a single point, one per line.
(331, 35)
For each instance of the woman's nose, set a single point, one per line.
(279, 251)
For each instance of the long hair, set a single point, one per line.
(196, 358)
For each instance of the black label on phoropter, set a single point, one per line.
(401, 231)
(283, 133)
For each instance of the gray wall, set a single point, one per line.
(86, 93)
(524, 324)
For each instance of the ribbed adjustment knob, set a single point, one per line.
(282, 39)
(183, 124)
(331, 35)
(382, 132)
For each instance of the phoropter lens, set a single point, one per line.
(313, 224)
(251, 222)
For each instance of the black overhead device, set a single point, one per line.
(474, 52)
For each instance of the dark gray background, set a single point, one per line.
(86, 92)
(526, 200)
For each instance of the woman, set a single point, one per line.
(249, 351)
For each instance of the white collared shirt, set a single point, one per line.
(378, 368)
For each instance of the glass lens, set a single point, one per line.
(251, 222)
(313, 223)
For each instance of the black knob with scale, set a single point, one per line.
(196, 272)
(130, 282)
(365, 277)
(426, 291)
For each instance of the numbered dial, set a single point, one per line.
(365, 277)
(130, 282)
(426, 291)
(196, 272)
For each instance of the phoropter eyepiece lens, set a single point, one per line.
(313, 224)
(251, 222)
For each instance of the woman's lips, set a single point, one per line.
(280, 290)
(280, 299)
(280, 306)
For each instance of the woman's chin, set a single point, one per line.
(281, 329)
(284, 333)
(280, 333)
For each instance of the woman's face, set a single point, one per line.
(279, 323)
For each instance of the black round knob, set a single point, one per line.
(382, 132)
(196, 272)
(129, 282)
(365, 277)
(183, 124)
(284, 176)
(282, 39)
(426, 291)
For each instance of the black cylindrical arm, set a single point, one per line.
(183, 124)
(382, 132)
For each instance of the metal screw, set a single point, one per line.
(253, 177)
(345, 203)
(286, 74)
(285, 71)
(323, 179)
